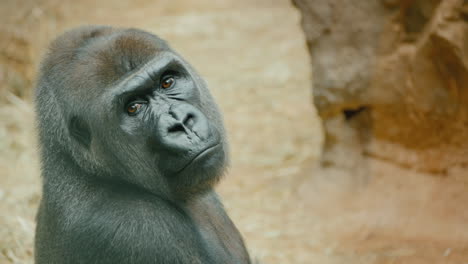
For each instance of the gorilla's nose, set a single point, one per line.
(184, 119)
(183, 127)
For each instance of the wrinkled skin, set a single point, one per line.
(131, 146)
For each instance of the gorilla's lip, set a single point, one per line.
(200, 155)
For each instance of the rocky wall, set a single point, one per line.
(390, 81)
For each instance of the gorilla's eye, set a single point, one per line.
(134, 108)
(167, 82)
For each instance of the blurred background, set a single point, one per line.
(370, 166)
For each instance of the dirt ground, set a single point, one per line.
(253, 55)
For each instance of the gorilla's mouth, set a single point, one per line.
(203, 154)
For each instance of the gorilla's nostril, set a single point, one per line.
(176, 128)
(189, 120)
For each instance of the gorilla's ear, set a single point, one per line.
(79, 130)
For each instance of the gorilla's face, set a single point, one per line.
(156, 121)
(159, 109)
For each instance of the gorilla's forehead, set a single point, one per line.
(82, 62)
(122, 52)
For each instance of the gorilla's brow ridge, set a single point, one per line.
(143, 80)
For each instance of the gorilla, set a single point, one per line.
(131, 145)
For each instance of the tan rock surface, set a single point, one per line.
(390, 85)
(403, 66)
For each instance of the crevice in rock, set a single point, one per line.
(350, 113)
(415, 15)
